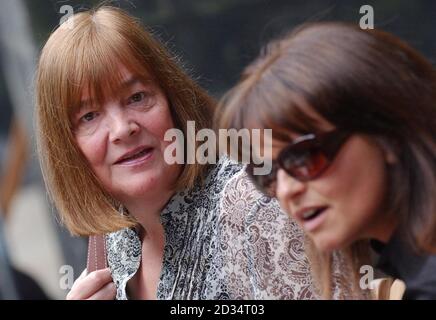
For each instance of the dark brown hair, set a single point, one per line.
(365, 81)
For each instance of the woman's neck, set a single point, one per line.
(383, 229)
(148, 212)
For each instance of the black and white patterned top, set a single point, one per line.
(224, 240)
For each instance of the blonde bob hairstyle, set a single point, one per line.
(86, 53)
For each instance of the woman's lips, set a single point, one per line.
(311, 218)
(137, 158)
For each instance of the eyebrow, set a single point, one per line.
(129, 82)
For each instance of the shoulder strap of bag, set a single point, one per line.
(97, 258)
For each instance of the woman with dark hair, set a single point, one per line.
(353, 119)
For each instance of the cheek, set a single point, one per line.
(357, 189)
(94, 149)
(281, 191)
(158, 122)
(284, 203)
(360, 194)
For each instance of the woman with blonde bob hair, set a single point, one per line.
(107, 92)
(353, 115)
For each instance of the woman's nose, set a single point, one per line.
(288, 188)
(122, 127)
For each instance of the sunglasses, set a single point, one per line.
(306, 158)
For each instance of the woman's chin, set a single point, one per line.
(136, 188)
(326, 243)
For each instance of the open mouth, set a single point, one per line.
(142, 154)
(313, 213)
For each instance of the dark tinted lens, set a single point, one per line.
(308, 165)
(304, 161)
(264, 183)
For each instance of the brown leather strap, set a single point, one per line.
(96, 253)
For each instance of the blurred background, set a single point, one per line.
(214, 39)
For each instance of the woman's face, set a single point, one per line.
(345, 200)
(123, 140)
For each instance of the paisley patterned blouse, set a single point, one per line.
(224, 240)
